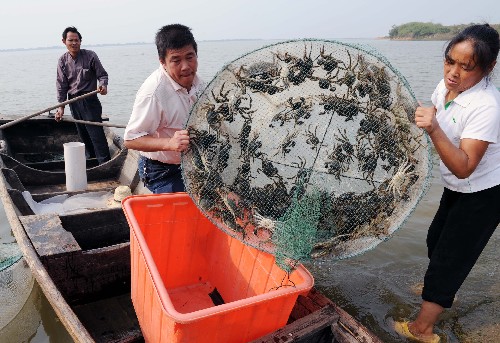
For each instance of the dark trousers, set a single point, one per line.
(160, 177)
(92, 136)
(458, 234)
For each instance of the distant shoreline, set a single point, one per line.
(420, 31)
(415, 39)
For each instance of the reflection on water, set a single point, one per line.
(25, 323)
(35, 322)
(16, 283)
(375, 287)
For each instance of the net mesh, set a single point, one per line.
(306, 149)
(16, 282)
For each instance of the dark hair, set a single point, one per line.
(485, 42)
(71, 29)
(174, 36)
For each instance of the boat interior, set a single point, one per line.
(87, 254)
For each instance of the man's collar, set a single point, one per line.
(77, 54)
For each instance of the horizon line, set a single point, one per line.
(144, 43)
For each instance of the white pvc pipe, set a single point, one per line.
(75, 166)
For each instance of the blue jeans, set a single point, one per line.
(160, 177)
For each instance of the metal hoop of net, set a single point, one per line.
(306, 149)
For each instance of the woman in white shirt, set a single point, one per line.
(464, 126)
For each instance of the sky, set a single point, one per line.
(39, 23)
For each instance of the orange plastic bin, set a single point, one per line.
(179, 258)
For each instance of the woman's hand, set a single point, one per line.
(425, 118)
(461, 160)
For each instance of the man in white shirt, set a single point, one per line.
(161, 110)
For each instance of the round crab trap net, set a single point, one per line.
(16, 282)
(307, 149)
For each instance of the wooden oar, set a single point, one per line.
(14, 122)
(91, 122)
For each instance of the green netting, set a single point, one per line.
(9, 254)
(16, 282)
(307, 149)
(295, 233)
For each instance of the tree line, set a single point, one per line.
(427, 31)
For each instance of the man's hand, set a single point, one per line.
(59, 114)
(180, 141)
(103, 90)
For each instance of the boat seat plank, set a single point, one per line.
(48, 235)
(93, 231)
(303, 306)
(348, 330)
(313, 301)
(90, 275)
(318, 298)
(345, 330)
(313, 328)
(343, 334)
(111, 320)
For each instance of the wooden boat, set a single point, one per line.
(82, 260)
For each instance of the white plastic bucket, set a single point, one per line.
(75, 166)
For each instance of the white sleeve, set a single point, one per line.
(145, 118)
(483, 124)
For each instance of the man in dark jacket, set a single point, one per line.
(78, 73)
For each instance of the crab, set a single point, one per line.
(367, 162)
(297, 69)
(287, 144)
(328, 62)
(345, 107)
(259, 82)
(350, 74)
(296, 109)
(262, 222)
(312, 138)
(400, 177)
